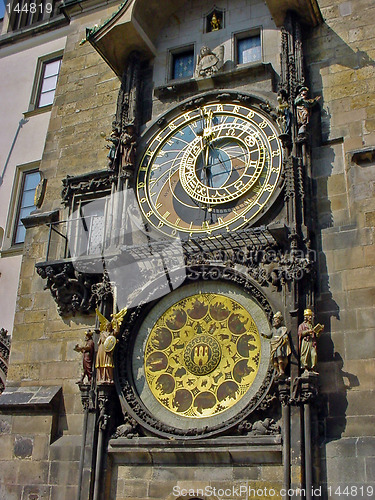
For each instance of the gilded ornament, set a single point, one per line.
(202, 355)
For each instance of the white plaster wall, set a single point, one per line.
(18, 64)
(186, 27)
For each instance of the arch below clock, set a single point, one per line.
(162, 423)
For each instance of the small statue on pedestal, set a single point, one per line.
(304, 105)
(283, 114)
(108, 332)
(87, 349)
(307, 336)
(128, 141)
(280, 346)
(114, 138)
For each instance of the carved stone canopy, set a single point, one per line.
(136, 25)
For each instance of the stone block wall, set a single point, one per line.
(341, 66)
(37, 460)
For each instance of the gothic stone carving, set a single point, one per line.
(72, 290)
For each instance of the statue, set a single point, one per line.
(280, 346)
(215, 23)
(112, 155)
(108, 332)
(307, 336)
(128, 146)
(87, 349)
(304, 106)
(209, 62)
(283, 114)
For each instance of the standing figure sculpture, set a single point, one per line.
(114, 138)
(283, 114)
(87, 349)
(307, 336)
(280, 346)
(304, 105)
(108, 332)
(128, 147)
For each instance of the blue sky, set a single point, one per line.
(2, 8)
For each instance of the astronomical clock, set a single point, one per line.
(210, 169)
(197, 362)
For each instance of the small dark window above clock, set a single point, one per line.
(182, 64)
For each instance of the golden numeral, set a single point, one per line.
(262, 124)
(275, 153)
(141, 185)
(251, 114)
(167, 214)
(236, 109)
(143, 200)
(219, 107)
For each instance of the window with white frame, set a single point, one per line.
(46, 76)
(248, 48)
(28, 184)
(48, 82)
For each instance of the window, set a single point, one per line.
(248, 49)
(29, 182)
(182, 64)
(45, 82)
(48, 82)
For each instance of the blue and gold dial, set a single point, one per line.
(212, 169)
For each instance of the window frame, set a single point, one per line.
(242, 35)
(8, 245)
(18, 208)
(172, 53)
(38, 81)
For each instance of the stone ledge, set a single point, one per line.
(192, 85)
(244, 450)
(38, 219)
(35, 398)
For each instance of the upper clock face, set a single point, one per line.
(212, 169)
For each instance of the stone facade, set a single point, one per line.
(41, 439)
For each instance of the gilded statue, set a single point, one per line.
(88, 350)
(108, 332)
(307, 336)
(215, 23)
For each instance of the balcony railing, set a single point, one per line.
(76, 237)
